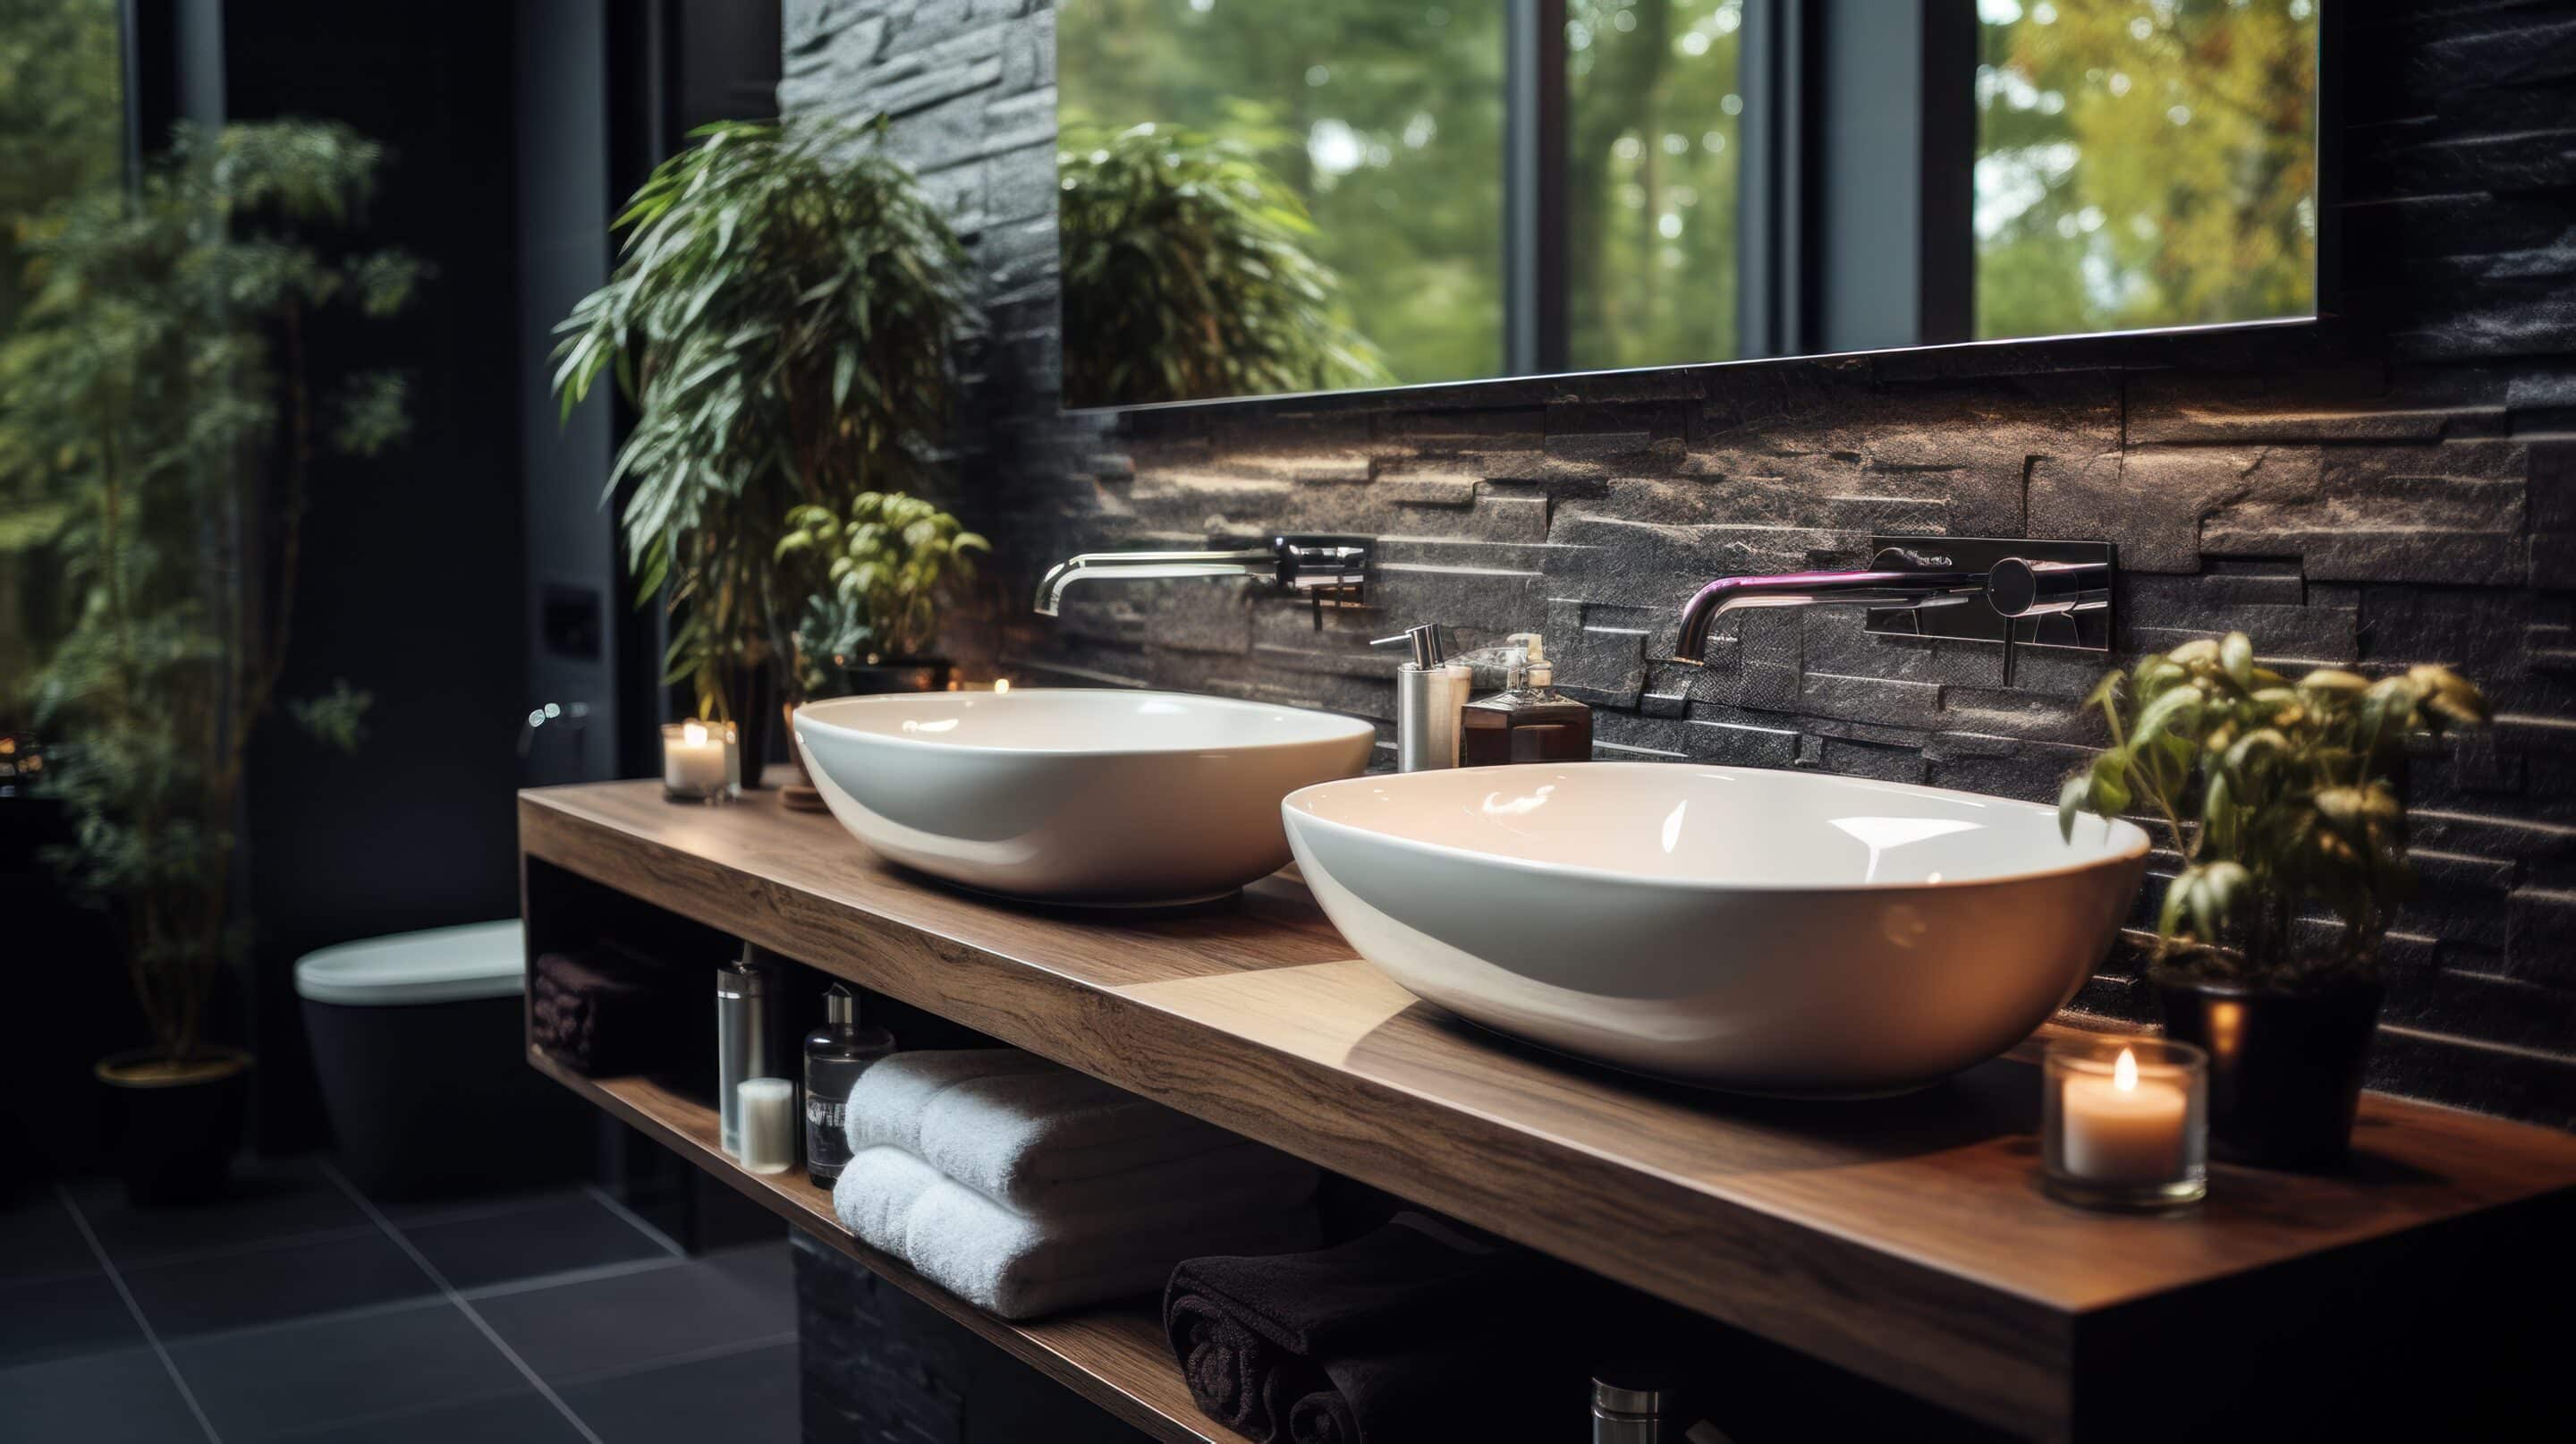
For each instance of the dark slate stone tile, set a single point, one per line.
(57, 1317)
(39, 1240)
(269, 1200)
(524, 1418)
(258, 1383)
(591, 1326)
(746, 1398)
(551, 1236)
(249, 1287)
(121, 1397)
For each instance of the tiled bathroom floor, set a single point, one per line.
(301, 1310)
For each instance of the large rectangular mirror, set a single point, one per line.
(1279, 196)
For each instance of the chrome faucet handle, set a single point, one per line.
(2018, 587)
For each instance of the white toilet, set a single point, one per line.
(419, 1042)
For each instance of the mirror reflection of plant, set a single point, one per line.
(164, 398)
(783, 316)
(872, 582)
(2281, 796)
(1188, 272)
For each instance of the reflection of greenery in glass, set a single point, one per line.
(2144, 163)
(62, 127)
(1651, 156)
(1187, 275)
(1385, 118)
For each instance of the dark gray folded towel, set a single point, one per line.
(605, 1010)
(1396, 1335)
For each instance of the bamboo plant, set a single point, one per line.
(166, 398)
(782, 316)
(2281, 797)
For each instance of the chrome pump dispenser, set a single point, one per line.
(1429, 691)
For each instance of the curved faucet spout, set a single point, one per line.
(1907, 589)
(1142, 566)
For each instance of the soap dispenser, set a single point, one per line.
(1430, 688)
(1528, 721)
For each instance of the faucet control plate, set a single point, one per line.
(2083, 621)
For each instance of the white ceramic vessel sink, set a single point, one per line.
(1074, 796)
(1766, 932)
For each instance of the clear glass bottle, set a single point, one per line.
(1528, 721)
(835, 1055)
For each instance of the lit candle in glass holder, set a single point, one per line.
(2124, 1122)
(701, 762)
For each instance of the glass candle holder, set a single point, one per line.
(2124, 1123)
(701, 762)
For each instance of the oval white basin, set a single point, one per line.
(1766, 932)
(1074, 795)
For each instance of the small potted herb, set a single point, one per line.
(871, 584)
(2282, 798)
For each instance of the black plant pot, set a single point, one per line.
(752, 693)
(2285, 1068)
(890, 674)
(175, 1128)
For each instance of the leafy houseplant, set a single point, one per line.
(871, 582)
(2282, 799)
(782, 316)
(162, 410)
(1186, 274)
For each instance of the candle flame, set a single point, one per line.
(694, 734)
(2124, 1074)
(1001, 686)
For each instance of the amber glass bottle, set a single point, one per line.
(1527, 722)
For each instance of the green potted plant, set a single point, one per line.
(164, 398)
(2282, 798)
(783, 318)
(1187, 274)
(872, 582)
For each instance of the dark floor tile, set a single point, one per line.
(269, 1200)
(549, 1236)
(38, 1239)
(576, 1329)
(259, 1383)
(271, 1284)
(57, 1317)
(124, 1397)
(523, 1418)
(746, 1398)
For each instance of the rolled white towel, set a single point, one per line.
(1021, 1267)
(887, 1105)
(1051, 1142)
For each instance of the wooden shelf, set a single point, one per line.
(1901, 1240)
(1116, 1357)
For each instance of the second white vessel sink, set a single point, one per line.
(1767, 932)
(1074, 795)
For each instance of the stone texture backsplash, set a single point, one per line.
(2395, 485)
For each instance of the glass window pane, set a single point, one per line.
(1651, 157)
(2144, 163)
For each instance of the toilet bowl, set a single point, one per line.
(419, 1043)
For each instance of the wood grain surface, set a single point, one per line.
(1901, 1239)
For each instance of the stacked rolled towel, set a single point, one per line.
(1401, 1334)
(604, 1010)
(1029, 1188)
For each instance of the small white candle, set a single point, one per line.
(694, 761)
(2124, 1129)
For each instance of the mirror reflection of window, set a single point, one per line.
(1652, 145)
(1384, 119)
(2144, 163)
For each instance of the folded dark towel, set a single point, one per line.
(605, 1010)
(1397, 1335)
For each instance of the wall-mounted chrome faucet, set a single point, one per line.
(1313, 567)
(2018, 593)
